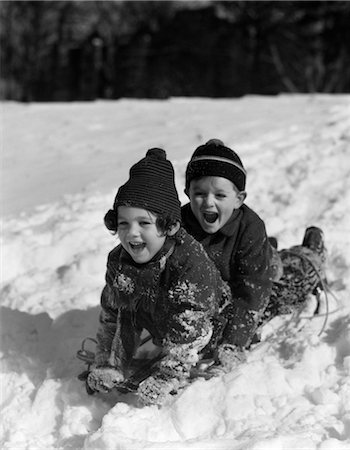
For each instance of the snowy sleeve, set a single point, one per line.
(251, 287)
(189, 326)
(116, 336)
(107, 327)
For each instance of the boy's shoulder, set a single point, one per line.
(243, 221)
(250, 216)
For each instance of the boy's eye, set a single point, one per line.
(221, 195)
(145, 223)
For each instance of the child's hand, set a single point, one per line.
(154, 390)
(103, 379)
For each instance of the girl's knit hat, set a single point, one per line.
(151, 186)
(216, 160)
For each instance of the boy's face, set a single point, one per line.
(213, 200)
(139, 234)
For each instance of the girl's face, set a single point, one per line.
(213, 200)
(139, 234)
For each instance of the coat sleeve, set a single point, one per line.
(107, 328)
(193, 300)
(116, 335)
(250, 284)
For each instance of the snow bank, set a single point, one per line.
(60, 176)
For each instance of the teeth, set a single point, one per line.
(136, 245)
(210, 217)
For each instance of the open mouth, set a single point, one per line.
(137, 246)
(210, 217)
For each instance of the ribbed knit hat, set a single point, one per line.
(151, 186)
(216, 160)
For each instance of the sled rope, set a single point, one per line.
(333, 295)
(322, 315)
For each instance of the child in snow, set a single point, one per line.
(160, 279)
(234, 237)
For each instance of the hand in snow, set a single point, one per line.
(155, 390)
(230, 356)
(103, 379)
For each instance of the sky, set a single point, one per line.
(61, 166)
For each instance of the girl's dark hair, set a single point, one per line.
(110, 220)
(164, 222)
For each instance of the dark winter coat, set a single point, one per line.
(243, 254)
(176, 297)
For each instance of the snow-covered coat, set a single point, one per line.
(243, 254)
(176, 297)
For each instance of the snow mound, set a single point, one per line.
(60, 177)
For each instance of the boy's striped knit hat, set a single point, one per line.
(151, 186)
(216, 160)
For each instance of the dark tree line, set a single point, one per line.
(82, 50)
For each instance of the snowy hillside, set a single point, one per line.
(61, 166)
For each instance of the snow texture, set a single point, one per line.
(61, 166)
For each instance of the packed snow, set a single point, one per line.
(61, 167)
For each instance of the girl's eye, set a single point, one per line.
(144, 223)
(122, 224)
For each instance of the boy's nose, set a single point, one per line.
(209, 201)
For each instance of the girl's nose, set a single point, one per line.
(134, 230)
